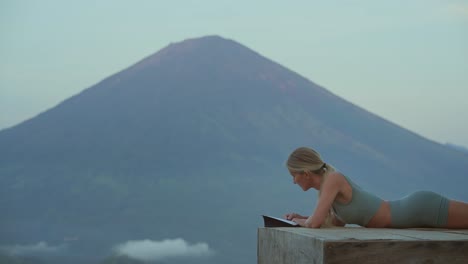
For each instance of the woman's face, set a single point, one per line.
(306, 180)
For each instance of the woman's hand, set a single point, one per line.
(300, 221)
(291, 216)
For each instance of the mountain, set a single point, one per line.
(457, 147)
(190, 143)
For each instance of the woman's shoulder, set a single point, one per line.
(336, 178)
(336, 175)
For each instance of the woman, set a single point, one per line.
(342, 202)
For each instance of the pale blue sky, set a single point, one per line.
(405, 60)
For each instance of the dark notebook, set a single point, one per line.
(271, 221)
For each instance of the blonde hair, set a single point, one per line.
(304, 160)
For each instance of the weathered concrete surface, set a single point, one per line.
(361, 245)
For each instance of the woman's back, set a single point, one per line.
(360, 209)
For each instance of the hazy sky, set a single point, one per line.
(405, 60)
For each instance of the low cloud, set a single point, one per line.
(148, 250)
(41, 248)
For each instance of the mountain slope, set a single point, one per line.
(197, 132)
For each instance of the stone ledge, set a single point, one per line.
(361, 245)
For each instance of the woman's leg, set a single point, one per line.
(457, 214)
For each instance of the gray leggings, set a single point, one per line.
(420, 209)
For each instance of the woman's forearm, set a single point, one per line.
(313, 222)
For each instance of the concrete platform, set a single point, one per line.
(361, 245)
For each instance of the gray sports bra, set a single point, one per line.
(360, 209)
